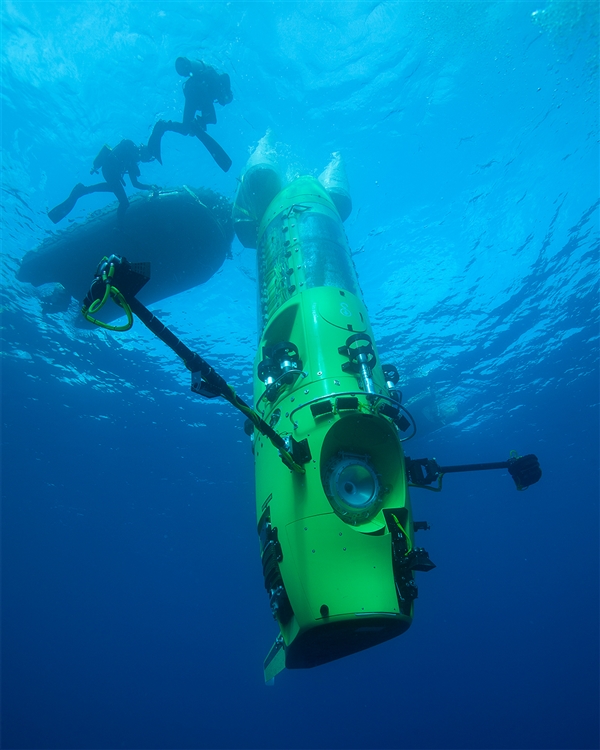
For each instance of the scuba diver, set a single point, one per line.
(203, 87)
(114, 163)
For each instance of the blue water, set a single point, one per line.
(133, 607)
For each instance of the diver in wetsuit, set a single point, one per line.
(204, 86)
(114, 163)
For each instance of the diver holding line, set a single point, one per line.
(114, 163)
(204, 86)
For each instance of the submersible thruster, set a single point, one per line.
(336, 541)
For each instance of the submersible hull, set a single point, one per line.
(336, 539)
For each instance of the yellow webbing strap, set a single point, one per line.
(399, 525)
(98, 304)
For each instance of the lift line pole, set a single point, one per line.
(525, 470)
(207, 382)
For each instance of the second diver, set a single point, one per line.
(114, 163)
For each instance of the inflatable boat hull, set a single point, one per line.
(185, 234)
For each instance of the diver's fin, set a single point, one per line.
(154, 140)
(63, 209)
(59, 212)
(216, 151)
(275, 661)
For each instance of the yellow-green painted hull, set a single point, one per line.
(337, 587)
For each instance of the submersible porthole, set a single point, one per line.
(353, 488)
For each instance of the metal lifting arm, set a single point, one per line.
(525, 470)
(206, 381)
